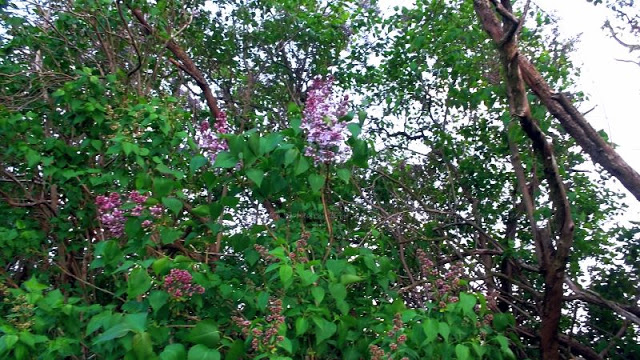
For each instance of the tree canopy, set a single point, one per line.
(304, 179)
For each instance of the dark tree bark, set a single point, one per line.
(552, 258)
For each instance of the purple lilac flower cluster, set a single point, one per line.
(265, 338)
(208, 139)
(321, 121)
(377, 353)
(179, 284)
(112, 216)
(440, 288)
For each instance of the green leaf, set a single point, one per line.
(290, 156)
(33, 158)
(167, 170)
(128, 147)
(202, 210)
(174, 352)
(31, 340)
(479, 349)
(201, 352)
(269, 142)
(301, 166)
(307, 277)
(336, 267)
(467, 303)
(169, 235)
(157, 299)
(263, 300)
(347, 279)
(344, 175)
(139, 282)
(161, 266)
(286, 275)
(9, 340)
(316, 181)
(162, 187)
(444, 330)
(503, 341)
(462, 352)
(225, 160)
(117, 331)
(430, 328)
(338, 291)
(324, 329)
(286, 345)
(142, 345)
(33, 286)
(236, 351)
(301, 325)
(295, 124)
(318, 295)
(205, 333)
(98, 321)
(255, 175)
(236, 144)
(502, 321)
(343, 306)
(197, 162)
(172, 204)
(354, 129)
(136, 322)
(21, 352)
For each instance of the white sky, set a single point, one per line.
(612, 86)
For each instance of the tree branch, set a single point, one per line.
(186, 64)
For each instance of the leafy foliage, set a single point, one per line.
(131, 230)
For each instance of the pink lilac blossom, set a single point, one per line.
(325, 132)
(156, 210)
(178, 284)
(138, 199)
(110, 215)
(208, 139)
